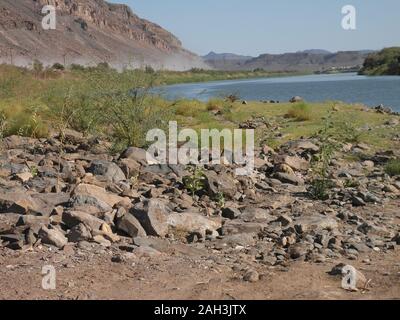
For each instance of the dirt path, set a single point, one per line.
(184, 277)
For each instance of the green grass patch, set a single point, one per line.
(393, 167)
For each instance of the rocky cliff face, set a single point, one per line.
(87, 32)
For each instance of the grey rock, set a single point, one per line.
(238, 226)
(162, 245)
(242, 239)
(108, 170)
(220, 183)
(73, 218)
(289, 178)
(296, 99)
(251, 276)
(53, 237)
(231, 213)
(152, 215)
(312, 223)
(252, 214)
(193, 222)
(137, 154)
(79, 233)
(131, 226)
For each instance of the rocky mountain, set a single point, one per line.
(309, 60)
(87, 32)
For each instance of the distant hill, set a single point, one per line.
(225, 61)
(88, 32)
(316, 51)
(385, 62)
(225, 56)
(314, 60)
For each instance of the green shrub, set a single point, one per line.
(300, 112)
(393, 167)
(58, 66)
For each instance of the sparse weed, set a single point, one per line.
(196, 181)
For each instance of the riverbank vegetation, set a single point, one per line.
(120, 108)
(385, 62)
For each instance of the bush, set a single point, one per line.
(393, 167)
(76, 67)
(58, 66)
(37, 67)
(300, 112)
(214, 105)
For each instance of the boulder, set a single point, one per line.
(17, 142)
(251, 214)
(79, 233)
(98, 193)
(107, 170)
(53, 237)
(22, 203)
(237, 227)
(313, 223)
(296, 163)
(152, 215)
(220, 184)
(73, 218)
(159, 244)
(137, 154)
(131, 226)
(193, 222)
(231, 213)
(296, 99)
(289, 178)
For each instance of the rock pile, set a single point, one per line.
(72, 193)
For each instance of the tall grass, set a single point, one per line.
(300, 112)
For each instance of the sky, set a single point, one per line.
(254, 27)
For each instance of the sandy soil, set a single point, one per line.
(187, 274)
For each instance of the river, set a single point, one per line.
(348, 87)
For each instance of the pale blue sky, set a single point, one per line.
(253, 27)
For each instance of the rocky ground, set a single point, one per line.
(116, 227)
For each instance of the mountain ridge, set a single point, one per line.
(313, 60)
(88, 32)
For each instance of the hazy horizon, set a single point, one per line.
(256, 27)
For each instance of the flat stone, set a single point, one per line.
(73, 218)
(312, 223)
(92, 191)
(238, 226)
(289, 178)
